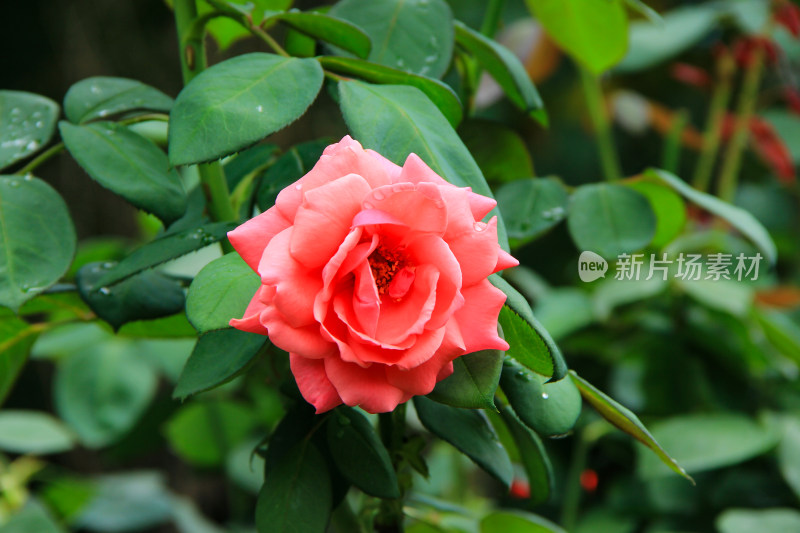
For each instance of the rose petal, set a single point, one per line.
(325, 219)
(476, 252)
(416, 171)
(250, 321)
(338, 160)
(477, 320)
(306, 341)
(251, 238)
(420, 207)
(313, 383)
(431, 250)
(296, 286)
(421, 379)
(504, 261)
(364, 387)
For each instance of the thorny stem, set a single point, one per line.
(716, 118)
(597, 111)
(193, 61)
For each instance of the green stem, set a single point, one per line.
(602, 127)
(672, 145)
(731, 164)
(492, 17)
(193, 61)
(716, 118)
(392, 427)
(41, 158)
(572, 490)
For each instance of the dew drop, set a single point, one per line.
(480, 226)
(13, 183)
(108, 264)
(260, 108)
(434, 41)
(378, 195)
(368, 205)
(37, 114)
(431, 58)
(15, 111)
(94, 89)
(39, 124)
(105, 291)
(28, 177)
(401, 64)
(545, 396)
(557, 212)
(102, 112)
(33, 145)
(298, 186)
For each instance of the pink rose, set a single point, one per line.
(373, 278)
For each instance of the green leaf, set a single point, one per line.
(668, 207)
(505, 68)
(360, 455)
(102, 390)
(33, 517)
(781, 331)
(534, 458)
(99, 97)
(248, 161)
(165, 248)
(653, 42)
(296, 496)
(473, 382)
(226, 31)
(37, 239)
(551, 409)
(470, 432)
(623, 419)
(202, 432)
(532, 206)
(735, 216)
(789, 453)
(144, 296)
(289, 167)
(517, 522)
(439, 93)
(221, 291)
(708, 441)
(33, 432)
(595, 33)
(775, 520)
(499, 151)
(238, 102)
(530, 343)
(129, 165)
(207, 369)
(412, 35)
(610, 219)
(16, 339)
(174, 326)
(130, 501)
(564, 310)
(410, 123)
(335, 31)
(27, 123)
(643, 9)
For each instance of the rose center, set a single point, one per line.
(391, 272)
